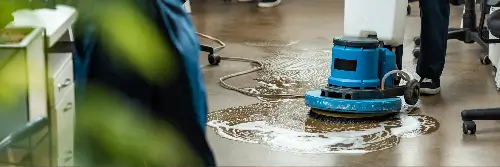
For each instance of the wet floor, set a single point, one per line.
(294, 41)
(288, 126)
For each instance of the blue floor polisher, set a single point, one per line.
(362, 81)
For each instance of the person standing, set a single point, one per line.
(435, 18)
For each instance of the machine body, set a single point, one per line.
(355, 83)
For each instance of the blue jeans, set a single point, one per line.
(435, 18)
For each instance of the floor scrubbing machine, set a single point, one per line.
(364, 73)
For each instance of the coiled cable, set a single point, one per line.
(259, 66)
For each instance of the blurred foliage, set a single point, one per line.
(120, 134)
(117, 131)
(131, 36)
(12, 85)
(6, 8)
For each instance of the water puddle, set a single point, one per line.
(287, 125)
(290, 72)
(272, 43)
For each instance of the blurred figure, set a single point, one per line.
(264, 3)
(145, 52)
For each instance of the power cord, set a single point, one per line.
(259, 66)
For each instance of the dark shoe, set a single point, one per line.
(269, 3)
(430, 86)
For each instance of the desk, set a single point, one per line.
(22, 72)
(23, 66)
(55, 72)
(56, 22)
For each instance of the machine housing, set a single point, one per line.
(354, 86)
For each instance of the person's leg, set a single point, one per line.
(435, 15)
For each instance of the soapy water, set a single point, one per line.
(289, 72)
(286, 124)
(272, 44)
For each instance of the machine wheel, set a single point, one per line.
(412, 92)
(416, 41)
(214, 59)
(408, 10)
(416, 52)
(469, 126)
(485, 60)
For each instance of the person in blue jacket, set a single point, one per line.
(181, 100)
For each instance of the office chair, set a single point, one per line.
(470, 33)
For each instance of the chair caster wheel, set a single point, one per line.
(469, 126)
(485, 60)
(412, 92)
(214, 59)
(416, 52)
(416, 41)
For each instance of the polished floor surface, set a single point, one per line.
(293, 41)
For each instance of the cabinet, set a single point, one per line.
(62, 106)
(60, 89)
